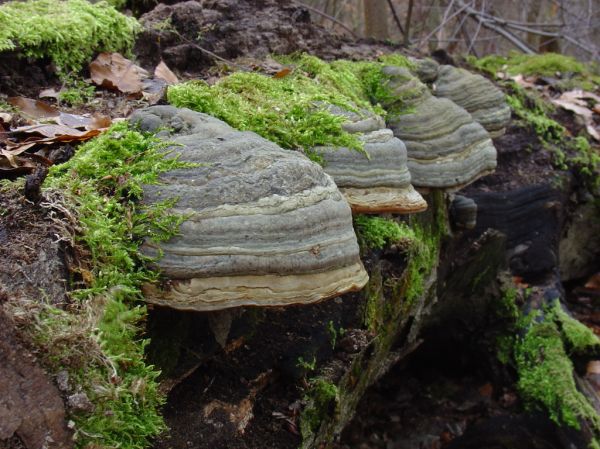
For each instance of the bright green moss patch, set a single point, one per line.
(546, 376)
(534, 112)
(579, 339)
(546, 64)
(539, 346)
(97, 340)
(420, 245)
(376, 232)
(291, 111)
(322, 398)
(69, 32)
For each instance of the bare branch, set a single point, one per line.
(407, 23)
(396, 18)
(327, 16)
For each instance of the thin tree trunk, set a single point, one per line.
(376, 18)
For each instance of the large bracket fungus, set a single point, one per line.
(477, 95)
(446, 147)
(263, 227)
(376, 180)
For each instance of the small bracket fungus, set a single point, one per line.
(376, 180)
(446, 147)
(463, 212)
(426, 69)
(477, 95)
(264, 226)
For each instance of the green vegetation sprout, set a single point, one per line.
(69, 32)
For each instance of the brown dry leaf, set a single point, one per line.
(49, 93)
(597, 108)
(11, 157)
(18, 166)
(113, 71)
(283, 73)
(34, 108)
(96, 121)
(163, 72)
(486, 390)
(528, 83)
(518, 280)
(593, 282)
(593, 367)
(572, 102)
(54, 134)
(49, 130)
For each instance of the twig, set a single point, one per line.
(327, 16)
(443, 24)
(396, 18)
(407, 23)
(210, 53)
(490, 24)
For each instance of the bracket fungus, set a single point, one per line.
(446, 148)
(263, 226)
(376, 180)
(477, 95)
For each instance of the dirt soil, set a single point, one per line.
(188, 35)
(32, 266)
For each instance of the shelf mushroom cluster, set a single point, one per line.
(376, 180)
(264, 226)
(267, 227)
(447, 148)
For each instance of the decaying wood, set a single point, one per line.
(30, 405)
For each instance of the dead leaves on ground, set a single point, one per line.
(48, 127)
(23, 148)
(583, 104)
(115, 72)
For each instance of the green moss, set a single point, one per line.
(76, 92)
(535, 114)
(376, 232)
(575, 74)
(291, 111)
(322, 398)
(546, 376)
(546, 64)
(98, 339)
(69, 32)
(579, 339)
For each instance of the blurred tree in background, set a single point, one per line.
(476, 27)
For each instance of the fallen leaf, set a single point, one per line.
(486, 390)
(34, 108)
(593, 282)
(572, 102)
(528, 83)
(113, 71)
(49, 93)
(96, 121)
(163, 72)
(283, 73)
(5, 117)
(593, 367)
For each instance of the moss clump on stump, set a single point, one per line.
(540, 345)
(292, 110)
(69, 32)
(97, 339)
